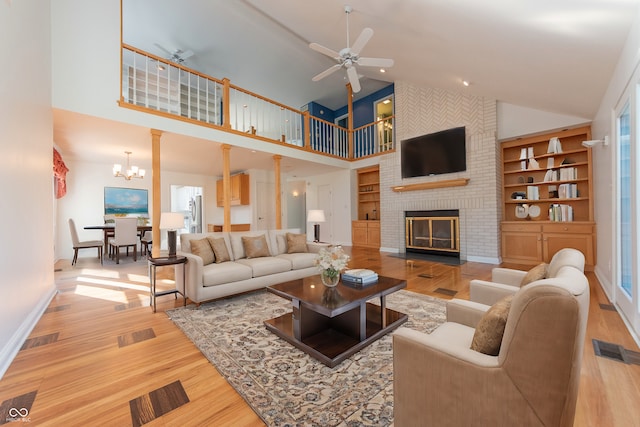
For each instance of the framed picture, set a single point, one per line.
(126, 201)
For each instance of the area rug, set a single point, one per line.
(284, 385)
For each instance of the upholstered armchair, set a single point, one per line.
(506, 281)
(533, 381)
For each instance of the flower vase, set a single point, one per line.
(330, 281)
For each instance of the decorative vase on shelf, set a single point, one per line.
(330, 278)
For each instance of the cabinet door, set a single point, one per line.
(373, 234)
(521, 247)
(219, 194)
(235, 190)
(553, 242)
(358, 233)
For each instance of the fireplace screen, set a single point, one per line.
(439, 233)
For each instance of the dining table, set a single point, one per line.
(108, 230)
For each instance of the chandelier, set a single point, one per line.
(130, 171)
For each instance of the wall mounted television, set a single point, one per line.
(434, 154)
(126, 201)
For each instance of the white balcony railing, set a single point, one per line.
(158, 85)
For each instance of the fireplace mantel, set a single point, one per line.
(429, 185)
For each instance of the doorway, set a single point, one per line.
(626, 284)
(383, 112)
(188, 201)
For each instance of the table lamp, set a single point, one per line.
(171, 221)
(316, 215)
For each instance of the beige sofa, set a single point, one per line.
(533, 381)
(242, 274)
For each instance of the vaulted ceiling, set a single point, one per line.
(555, 56)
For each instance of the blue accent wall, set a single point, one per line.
(363, 114)
(322, 112)
(363, 108)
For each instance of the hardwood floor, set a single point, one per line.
(100, 356)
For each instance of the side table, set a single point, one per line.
(163, 261)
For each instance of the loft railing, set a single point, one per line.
(160, 86)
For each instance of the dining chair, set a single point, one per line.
(77, 244)
(125, 235)
(145, 241)
(109, 219)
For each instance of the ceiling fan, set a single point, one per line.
(178, 56)
(349, 57)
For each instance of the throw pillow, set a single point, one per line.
(536, 273)
(255, 246)
(296, 243)
(202, 248)
(489, 330)
(219, 249)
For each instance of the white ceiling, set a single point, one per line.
(552, 55)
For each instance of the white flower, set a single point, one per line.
(332, 260)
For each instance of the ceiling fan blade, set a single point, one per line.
(324, 50)
(326, 72)
(375, 62)
(362, 40)
(162, 49)
(353, 79)
(184, 55)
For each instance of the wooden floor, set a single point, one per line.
(100, 356)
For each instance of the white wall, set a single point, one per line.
(26, 217)
(626, 71)
(338, 223)
(516, 120)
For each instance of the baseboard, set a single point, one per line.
(391, 250)
(9, 351)
(484, 260)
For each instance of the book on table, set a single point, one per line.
(360, 276)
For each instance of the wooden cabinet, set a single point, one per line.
(365, 233)
(239, 190)
(366, 230)
(369, 193)
(547, 197)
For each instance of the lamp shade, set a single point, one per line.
(171, 221)
(315, 215)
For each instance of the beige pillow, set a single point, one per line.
(202, 248)
(296, 243)
(536, 273)
(219, 249)
(255, 246)
(489, 330)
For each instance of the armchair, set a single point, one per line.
(506, 281)
(533, 381)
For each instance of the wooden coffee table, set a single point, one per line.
(331, 324)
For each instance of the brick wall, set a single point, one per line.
(421, 111)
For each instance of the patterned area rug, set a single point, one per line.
(287, 387)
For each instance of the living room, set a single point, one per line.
(30, 289)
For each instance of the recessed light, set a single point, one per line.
(466, 83)
(382, 70)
